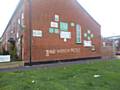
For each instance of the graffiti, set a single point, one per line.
(62, 51)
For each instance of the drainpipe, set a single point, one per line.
(30, 32)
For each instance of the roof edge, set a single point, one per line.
(88, 13)
(17, 7)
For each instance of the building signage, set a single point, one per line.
(89, 35)
(4, 58)
(62, 51)
(54, 24)
(56, 18)
(54, 30)
(63, 26)
(72, 24)
(37, 33)
(66, 35)
(87, 43)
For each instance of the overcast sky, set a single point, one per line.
(105, 12)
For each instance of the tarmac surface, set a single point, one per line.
(50, 65)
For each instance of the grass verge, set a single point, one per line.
(73, 77)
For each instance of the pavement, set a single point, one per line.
(49, 65)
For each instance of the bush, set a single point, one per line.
(13, 52)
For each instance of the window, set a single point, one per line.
(78, 33)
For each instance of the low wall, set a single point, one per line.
(107, 52)
(11, 64)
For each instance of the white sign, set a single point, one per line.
(37, 33)
(54, 24)
(62, 51)
(87, 43)
(17, 35)
(65, 35)
(56, 17)
(72, 24)
(4, 58)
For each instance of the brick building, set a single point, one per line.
(0, 46)
(50, 30)
(116, 43)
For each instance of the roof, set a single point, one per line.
(113, 37)
(19, 4)
(88, 14)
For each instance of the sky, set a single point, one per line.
(105, 12)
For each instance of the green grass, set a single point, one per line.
(73, 77)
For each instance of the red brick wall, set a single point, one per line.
(43, 12)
